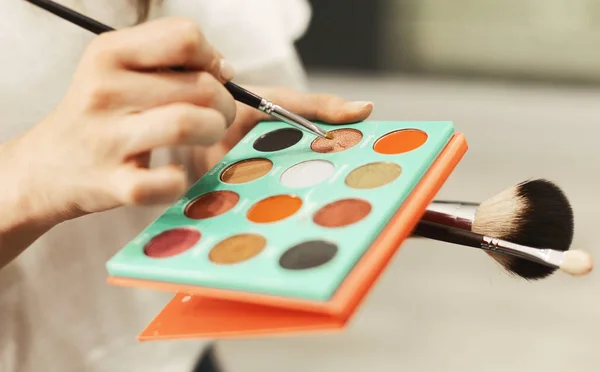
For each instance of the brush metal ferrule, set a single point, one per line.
(289, 117)
(548, 257)
(451, 213)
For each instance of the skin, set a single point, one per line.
(92, 152)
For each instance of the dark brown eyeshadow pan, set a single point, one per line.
(278, 140)
(308, 255)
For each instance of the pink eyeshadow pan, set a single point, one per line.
(343, 139)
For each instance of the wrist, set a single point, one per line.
(26, 204)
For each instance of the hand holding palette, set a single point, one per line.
(288, 232)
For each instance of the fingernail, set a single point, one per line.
(227, 71)
(359, 105)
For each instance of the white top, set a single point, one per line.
(56, 311)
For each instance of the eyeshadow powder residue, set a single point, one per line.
(307, 173)
(172, 242)
(308, 255)
(278, 140)
(372, 175)
(343, 139)
(274, 208)
(342, 213)
(400, 141)
(211, 204)
(237, 248)
(246, 170)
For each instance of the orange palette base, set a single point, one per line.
(197, 312)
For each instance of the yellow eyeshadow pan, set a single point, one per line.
(373, 175)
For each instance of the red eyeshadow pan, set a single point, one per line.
(172, 242)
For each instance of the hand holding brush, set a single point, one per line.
(239, 94)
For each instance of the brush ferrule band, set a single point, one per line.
(266, 106)
(286, 116)
(296, 120)
(548, 257)
(455, 214)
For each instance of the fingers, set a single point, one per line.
(322, 107)
(197, 88)
(327, 108)
(332, 109)
(141, 186)
(172, 125)
(162, 43)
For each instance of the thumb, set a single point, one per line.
(142, 186)
(328, 108)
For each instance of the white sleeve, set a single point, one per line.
(252, 35)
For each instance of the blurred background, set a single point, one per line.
(520, 78)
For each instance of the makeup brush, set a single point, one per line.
(534, 213)
(573, 262)
(239, 94)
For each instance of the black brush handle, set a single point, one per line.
(239, 94)
(72, 16)
(448, 234)
(242, 95)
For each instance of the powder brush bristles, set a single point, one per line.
(534, 213)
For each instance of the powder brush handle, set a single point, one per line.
(448, 234)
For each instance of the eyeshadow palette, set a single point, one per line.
(289, 231)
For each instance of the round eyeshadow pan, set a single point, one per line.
(307, 173)
(211, 204)
(400, 141)
(246, 170)
(171, 242)
(343, 139)
(342, 213)
(237, 248)
(278, 140)
(372, 175)
(274, 208)
(308, 255)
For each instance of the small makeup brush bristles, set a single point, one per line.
(533, 213)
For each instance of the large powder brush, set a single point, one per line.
(534, 213)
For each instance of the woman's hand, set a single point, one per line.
(92, 152)
(320, 107)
